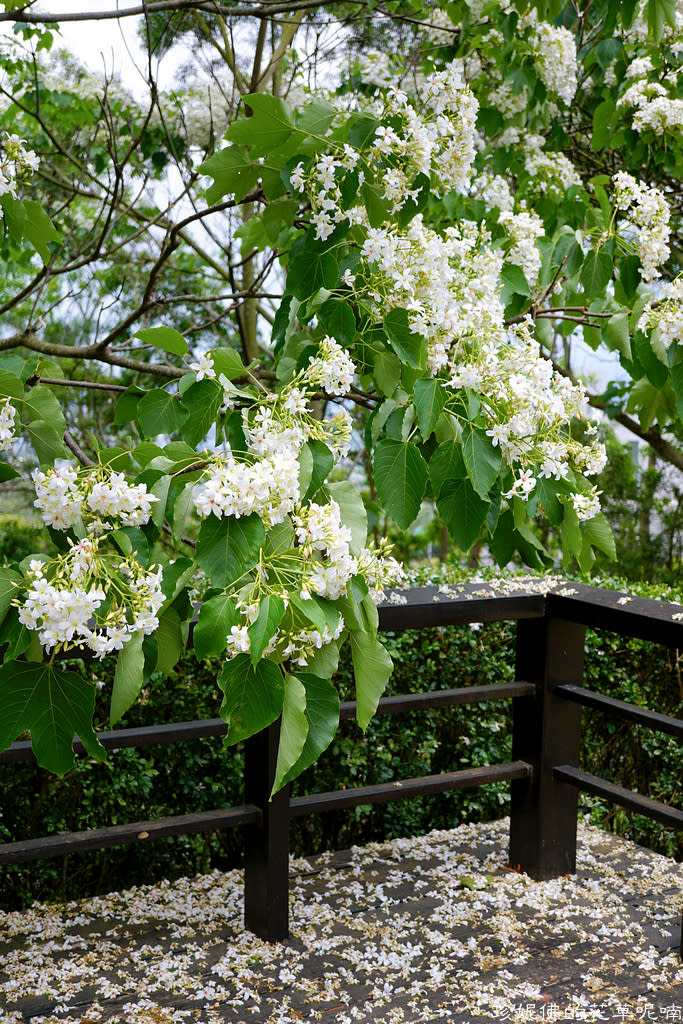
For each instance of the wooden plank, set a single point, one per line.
(545, 729)
(443, 698)
(384, 792)
(620, 613)
(145, 736)
(120, 835)
(621, 709)
(425, 607)
(670, 816)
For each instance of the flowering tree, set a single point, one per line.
(277, 282)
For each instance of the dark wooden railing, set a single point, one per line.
(544, 773)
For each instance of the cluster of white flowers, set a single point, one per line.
(332, 369)
(16, 164)
(320, 531)
(380, 570)
(586, 505)
(649, 212)
(437, 141)
(554, 50)
(672, 36)
(375, 68)
(63, 497)
(269, 487)
(666, 314)
(550, 173)
(300, 646)
(507, 101)
(524, 228)
(655, 108)
(528, 406)
(65, 596)
(201, 111)
(7, 414)
(265, 479)
(494, 190)
(448, 284)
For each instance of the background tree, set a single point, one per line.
(376, 282)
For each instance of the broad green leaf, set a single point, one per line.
(371, 668)
(377, 209)
(660, 13)
(572, 538)
(597, 531)
(165, 338)
(279, 539)
(130, 541)
(160, 413)
(217, 616)
(387, 373)
(604, 120)
(514, 282)
(293, 729)
(25, 218)
(336, 316)
(502, 541)
(128, 678)
(11, 386)
(47, 443)
(175, 576)
(277, 214)
(462, 511)
(8, 472)
(9, 589)
(181, 509)
(446, 464)
(596, 273)
(325, 660)
(651, 403)
(253, 696)
(269, 127)
(400, 474)
(617, 334)
(429, 400)
(310, 269)
(316, 117)
(482, 460)
(160, 490)
(262, 630)
(234, 172)
(411, 348)
(322, 716)
(203, 401)
(352, 511)
(51, 704)
(677, 384)
(169, 637)
(228, 547)
(227, 361)
(40, 404)
(323, 461)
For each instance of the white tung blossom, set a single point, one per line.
(648, 210)
(7, 414)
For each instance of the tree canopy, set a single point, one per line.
(352, 250)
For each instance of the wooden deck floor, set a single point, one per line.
(429, 929)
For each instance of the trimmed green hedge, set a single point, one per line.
(182, 778)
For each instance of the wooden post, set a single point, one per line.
(266, 846)
(546, 732)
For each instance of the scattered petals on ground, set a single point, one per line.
(435, 928)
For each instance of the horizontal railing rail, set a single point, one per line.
(547, 697)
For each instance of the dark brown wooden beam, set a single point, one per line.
(384, 792)
(120, 835)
